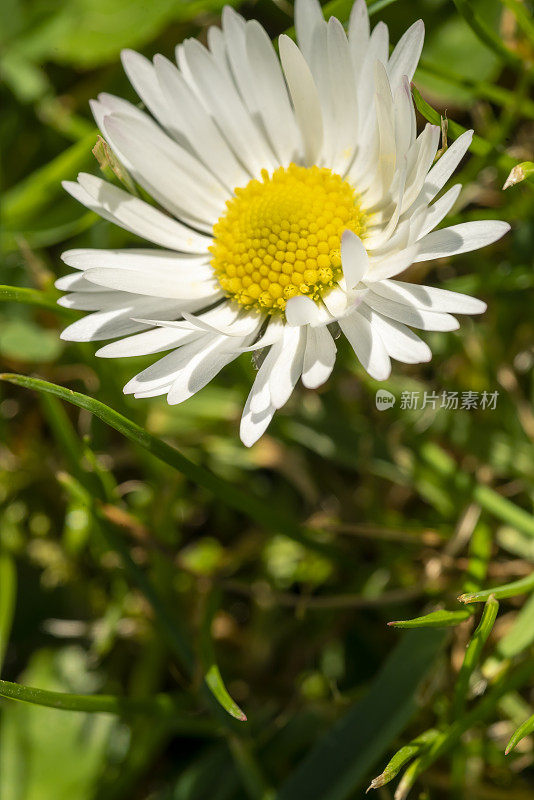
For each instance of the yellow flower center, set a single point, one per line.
(281, 236)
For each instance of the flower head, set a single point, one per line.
(288, 195)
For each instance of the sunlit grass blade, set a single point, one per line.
(8, 591)
(524, 730)
(340, 762)
(158, 705)
(262, 512)
(473, 653)
(403, 757)
(521, 634)
(522, 586)
(435, 619)
(216, 685)
(34, 297)
(212, 673)
(508, 682)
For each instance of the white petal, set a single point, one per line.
(410, 315)
(430, 297)
(168, 172)
(367, 345)
(400, 342)
(344, 95)
(274, 107)
(143, 78)
(253, 426)
(136, 216)
(117, 322)
(162, 282)
(301, 310)
(433, 215)
(305, 98)
(319, 357)
(460, 238)
(225, 105)
(359, 30)
(422, 153)
(288, 367)
(146, 343)
(135, 258)
(406, 54)
(200, 369)
(202, 133)
(445, 166)
(391, 265)
(308, 15)
(354, 259)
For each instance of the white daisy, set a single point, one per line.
(289, 193)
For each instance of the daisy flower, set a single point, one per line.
(289, 193)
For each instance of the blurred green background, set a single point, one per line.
(404, 509)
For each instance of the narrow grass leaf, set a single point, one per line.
(34, 297)
(216, 685)
(403, 757)
(521, 586)
(524, 730)
(8, 591)
(473, 653)
(159, 705)
(435, 619)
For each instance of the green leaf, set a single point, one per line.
(435, 619)
(340, 762)
(473, 653)
(216, 685)
(524, 730)
(8, 591)
(33, 297)
(161, 704)
(403, 756)
(521, 586)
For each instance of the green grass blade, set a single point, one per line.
(8, 592)
(212, 673)
(216, 685)
(159, 705)
(521, 586)
(403, 757)
(342, 760)
(508, 682)
(473, 653)
(524, 730)
(33, 297)
(263, 513)
(436, 619)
